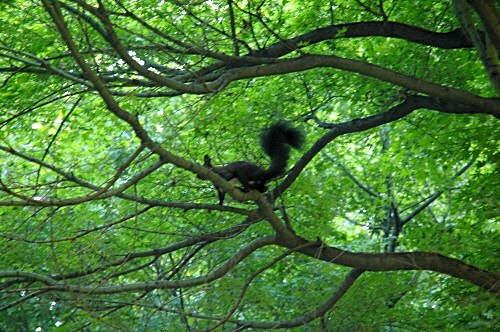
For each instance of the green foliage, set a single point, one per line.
(60, 145)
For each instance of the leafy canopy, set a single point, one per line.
(384, 221)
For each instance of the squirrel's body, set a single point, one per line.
(276, 142)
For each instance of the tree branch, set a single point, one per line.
(417, 260)
(54, 285)
(308, 317)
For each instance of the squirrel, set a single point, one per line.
(275, 141)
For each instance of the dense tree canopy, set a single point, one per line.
(386, 219)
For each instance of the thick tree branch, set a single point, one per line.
(361, 124)
(487, 52)
(417, 260)
(491, 19)
(487, 105)
(446, 40)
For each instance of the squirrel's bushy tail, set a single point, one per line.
(276, 141)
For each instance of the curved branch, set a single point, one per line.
(115, 43)
(446, 40)
(349, 280)
(86, 18)
(42, 63)
(417, 260)
(251, 278)
(81, 199)
(81, 233)
(453, 107)
(54, 285)
(361, 124)
(487, 105)
(491, 19)
(118, 192)
(157, 252)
